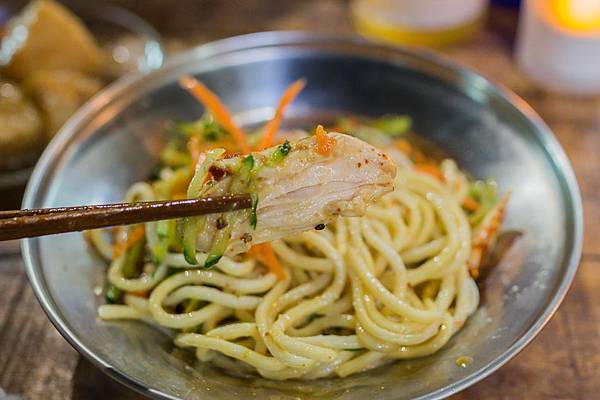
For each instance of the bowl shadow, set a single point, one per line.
(90, 383)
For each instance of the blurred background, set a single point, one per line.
(56, 55)
(194, 21)
(547, 51)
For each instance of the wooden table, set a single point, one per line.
(563, 362)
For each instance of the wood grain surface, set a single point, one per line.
(563, 362)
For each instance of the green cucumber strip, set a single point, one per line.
(113, 294)
(394, 125)
(219, 245)
(131, 259)
(201, 173)
(281, 151)
(253, 214)
(190, 234)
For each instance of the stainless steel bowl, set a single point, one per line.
(114, 141)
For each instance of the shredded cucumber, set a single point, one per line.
(486, 193)
(281, 151)
(394, 125)
(253, 214)
(240, 183)
(166, 231)
(113, 294)
(206, 127)
(131, 259)
(201, 173)
(192, 225)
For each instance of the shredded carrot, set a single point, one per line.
(470, 204)
(271, 260)
(140, 293)
(193, 146)
(120, 239)
(124, 242)
(179, 188)
(404, 146)
(485, 234)
(430, 169)
(201, 158)
(458, 184)
(325, 144)
(87, 235)
(288, 96)
(419, 158)
(265, 254)
(218, 109)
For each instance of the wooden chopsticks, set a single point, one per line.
(20, 224)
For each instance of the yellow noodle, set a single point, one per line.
(358, 294)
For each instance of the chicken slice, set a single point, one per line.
(295, 189)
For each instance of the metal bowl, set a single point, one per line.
(114, 141)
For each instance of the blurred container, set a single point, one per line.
(429, 23)
(507, 3)
(558, 45)
(131, 43)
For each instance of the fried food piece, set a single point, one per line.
(21, 134)
(59, 93)
(46, 35)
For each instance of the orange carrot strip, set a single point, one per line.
(404, 146)
(486, 234)
(87, 235)
(218, 109)
(288, 96)
(179, 188)
(430, 169)
(193, 146)
(119, 241)
(271, 260)
(325, 144)
(265, 254)
(201, 158)
(124, 242)
(179, 195)
(470, 204)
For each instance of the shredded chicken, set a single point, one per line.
(300, 191)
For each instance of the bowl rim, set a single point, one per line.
(542, 132)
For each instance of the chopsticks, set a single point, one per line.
(18, 224)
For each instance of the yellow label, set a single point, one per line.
(399, 35)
